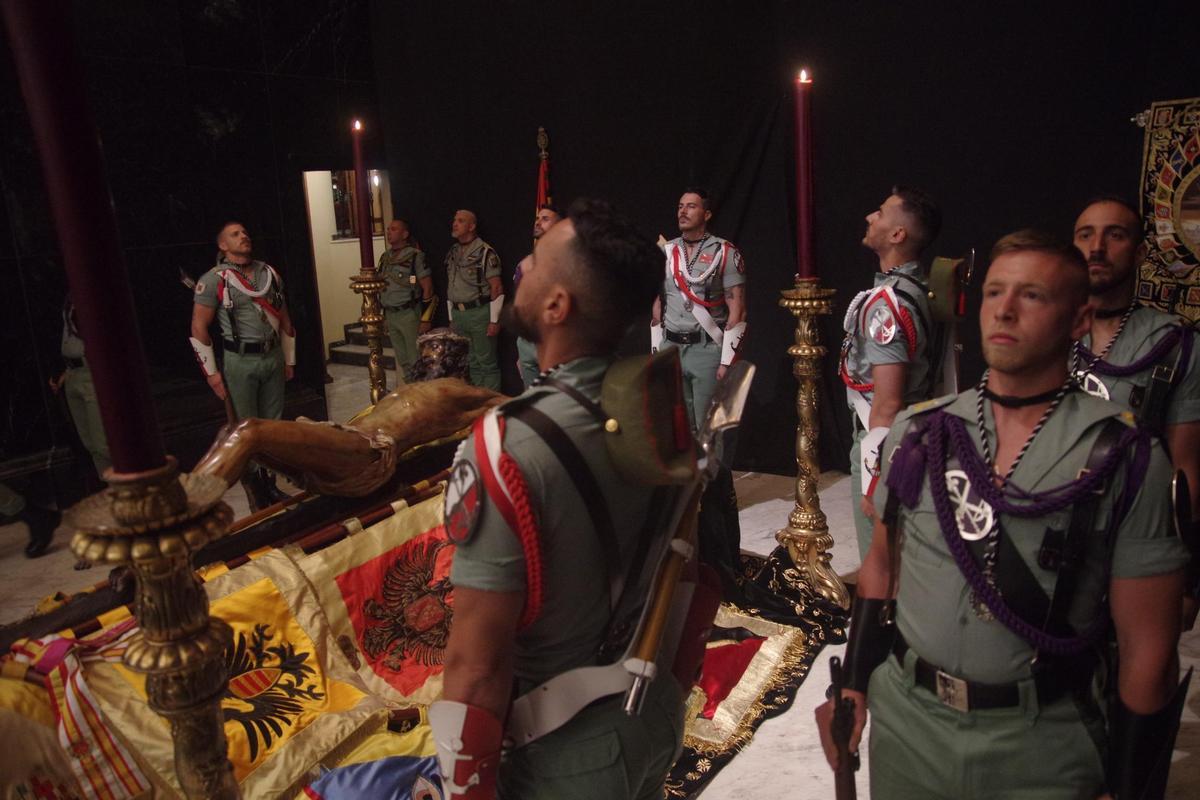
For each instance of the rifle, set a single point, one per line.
(840, 728)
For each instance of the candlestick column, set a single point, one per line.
(806, 536)
(367, 282)
(150, 517)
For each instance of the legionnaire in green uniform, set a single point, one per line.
(527, 350)
(409, 294)
(475, 296)
(1139, 357)
(76, 382)
(1019, 520)
(530, 602)
(885, 362)
(701, 308)
(246, 297)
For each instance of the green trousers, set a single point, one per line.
(85, 413)
(924, 750)
(11, 503)
(473, 324)
(527, 361)
(603, 753)
(700, 363)
(402, 327)
(255, 382)
(862, 526)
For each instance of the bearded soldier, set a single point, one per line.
(408, 301)
(1139, 357)
(701, 308)
(885, 360)
(1020, 523)
(539, 545)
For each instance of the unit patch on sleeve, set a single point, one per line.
(462, 502)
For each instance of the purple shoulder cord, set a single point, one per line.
(1039, 504)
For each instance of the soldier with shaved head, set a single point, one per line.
(475, 296)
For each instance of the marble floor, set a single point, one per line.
(783, 760)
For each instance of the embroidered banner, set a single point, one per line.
(1169, 279)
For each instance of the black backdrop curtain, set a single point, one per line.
(1009, 115)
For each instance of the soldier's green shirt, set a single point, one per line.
(716, 267)
(576, 603)
(874, 334)
(934, 611)
(1144, 328)
(403, 270)
(252, 324)
(468, 268)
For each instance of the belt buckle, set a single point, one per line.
(1163, 373)
(952, 691)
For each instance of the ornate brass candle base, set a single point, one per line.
(153, 521)
(369, 285)
(807, 535)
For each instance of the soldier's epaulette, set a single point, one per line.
(930, 405)
(922, 407)
(529, 397)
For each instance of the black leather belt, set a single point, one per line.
(678, 337)
(248, 348)
(73, 363)
(967, 695)
(402, 306)
(470, 305)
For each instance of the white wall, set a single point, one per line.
(336, 261)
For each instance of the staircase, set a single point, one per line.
(353, 348)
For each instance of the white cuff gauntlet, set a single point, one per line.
(288, 343)
(494, 308)
(729, 344)
(204, 355)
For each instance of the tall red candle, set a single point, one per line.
(806, 263)
(52, 81)
(362, 194)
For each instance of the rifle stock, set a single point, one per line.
(840, 728)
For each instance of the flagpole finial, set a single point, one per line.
(543, 142)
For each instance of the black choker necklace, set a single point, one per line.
(1109, 313)
(694, 241)
(1012, 401)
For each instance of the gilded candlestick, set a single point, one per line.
(807, 534)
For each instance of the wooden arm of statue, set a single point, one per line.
(355, 459)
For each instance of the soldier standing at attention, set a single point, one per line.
(76, 381)
(701, 308)
(475, 296)
(408, 297)
(885, 361)
(1139, 357)
(247, 299)
(526, 351)
(1017, 522)
(530, 601)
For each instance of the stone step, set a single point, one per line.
(359, 355)
(354, 335)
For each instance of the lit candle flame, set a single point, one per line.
(357, 125)
(804, 77)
